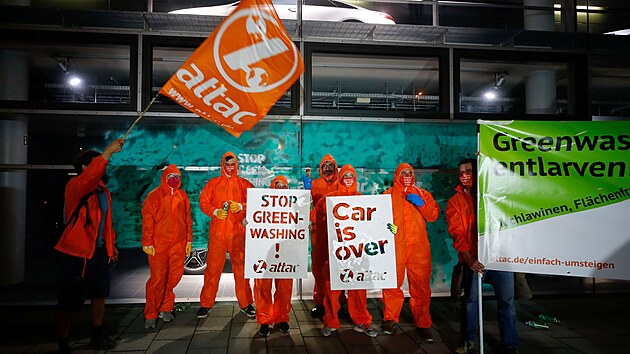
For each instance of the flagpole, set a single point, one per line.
(140, 116)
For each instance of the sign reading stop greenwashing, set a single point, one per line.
(276, 235)
(554, 198)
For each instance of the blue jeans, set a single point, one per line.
(503, 284)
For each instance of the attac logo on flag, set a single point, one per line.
(239, 72)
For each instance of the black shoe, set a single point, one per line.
(388, 327)
(101, 341)
(264, 330)
(203, 312)
(318, 311)
(284, 327)
(249, 311)
(425, 334)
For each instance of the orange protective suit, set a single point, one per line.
(167, 226)
(357, 299)
(319, 239)
(276, 310)
(79, 240)
(226, 235)
(462, 223)
(413, 252)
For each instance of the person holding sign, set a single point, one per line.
(223, 199)
(461, 218)
(357, 299)
(167, 240)
(412, 208)
(276, 309)
(326, 183)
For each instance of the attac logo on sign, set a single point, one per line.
(239, 72)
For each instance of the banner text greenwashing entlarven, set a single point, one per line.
(539, 167)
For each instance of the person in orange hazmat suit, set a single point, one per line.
(273, 310)
(412, 208)
(326, 183)
(167, 240)
(357, 299)
(224, 198)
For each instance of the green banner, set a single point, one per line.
(533, 171)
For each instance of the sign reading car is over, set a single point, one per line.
(361, 248)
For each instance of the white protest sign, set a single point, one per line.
(276, 235)
(361, 248)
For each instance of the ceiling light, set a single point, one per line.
(490, 95)
(74, 80)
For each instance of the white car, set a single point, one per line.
(313, 10)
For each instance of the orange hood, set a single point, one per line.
(167, 171)
(328, 157)
(223, 171)
(342, 187)
(279, 178)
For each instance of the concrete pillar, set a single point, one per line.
(540, 86)
(538, 20)
(540, 92)
(13, 150)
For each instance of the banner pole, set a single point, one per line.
(480, 309)
(140, 116)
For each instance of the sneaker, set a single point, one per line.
(150, 323)
(284, 327)
(388, 327)
(102, 341)
(318, 311)
(249, 311)
(465, 347)
(203, 312)
(166, 316)
(327, 331)
(425, 334)
(367, 329)
(264, 330)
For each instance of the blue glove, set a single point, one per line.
(415, 200)
(307, 182)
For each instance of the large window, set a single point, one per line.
(393, 85)
(65, 70)
(610, 87)
(514, 85)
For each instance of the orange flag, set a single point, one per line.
(238, 73)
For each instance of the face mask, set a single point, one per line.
(348, 181)
(173, 182)
(407, 181)
(466, 179)
(229, 169)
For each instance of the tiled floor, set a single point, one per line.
(589, 323)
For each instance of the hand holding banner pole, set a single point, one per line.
(139, 117)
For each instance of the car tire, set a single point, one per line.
(195, 263)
